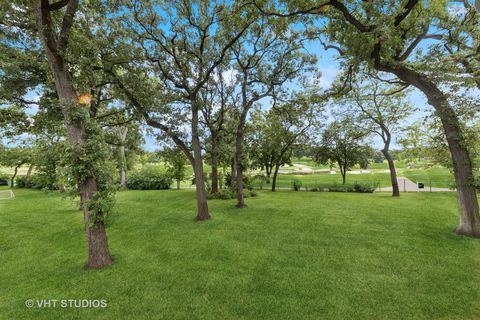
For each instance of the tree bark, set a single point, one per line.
(202, 206)
(343, 172)
(469, 224)
(393, 172)
(239, 160)
(29, 173)
(274, 180)
(178, 184)
(12, 180)
(98, 252)
(122, 136)
(30, 169)
(214, 163)
(233, 170)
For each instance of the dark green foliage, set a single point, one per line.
(149, 178)
(227, 194)
(4, 179)
(357, 187)
(248, 181)
(297, 184)
(36, 181)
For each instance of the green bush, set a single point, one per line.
(4, 179)
(21, 182)
(227, 194)
(36, 181)
(360, 188)
(149, 178)
(363, 188)
(224, 194)
(297, 184)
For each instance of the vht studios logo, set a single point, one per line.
(66, 303)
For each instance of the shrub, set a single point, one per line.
(36, 181)
(4, 179)
(227, 194)
(224, 194)
(297, 184)
(21, 182)
(149, 178)
(362, 188)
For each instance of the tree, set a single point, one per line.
(216, 98)
(15, 158)
(276, 132)
(390, 37)
(414, 142)
(54, 48)
(342, 144)
(183, 52)
(265, 59)
(382, 109)
(176, 162)
(123, 134)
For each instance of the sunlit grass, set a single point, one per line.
(289, 255)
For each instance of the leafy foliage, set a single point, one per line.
(149, 178)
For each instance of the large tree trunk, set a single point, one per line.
(274, 180)
(469, 224)
(98, 252)
(239, 160)
(214, 164)
(202, 206)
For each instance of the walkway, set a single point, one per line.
(407, 185)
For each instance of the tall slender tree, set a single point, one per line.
(381, 109)
(266, 58)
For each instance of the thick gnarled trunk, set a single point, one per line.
(469, 224)
(98, 252)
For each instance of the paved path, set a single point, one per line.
(407, 185)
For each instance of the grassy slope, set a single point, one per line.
(289, 255)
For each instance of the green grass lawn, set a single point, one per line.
(439, 176)
(326, 179)
(289, 255)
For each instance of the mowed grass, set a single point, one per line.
(439, 176)
(289, 255)
(326, 179)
